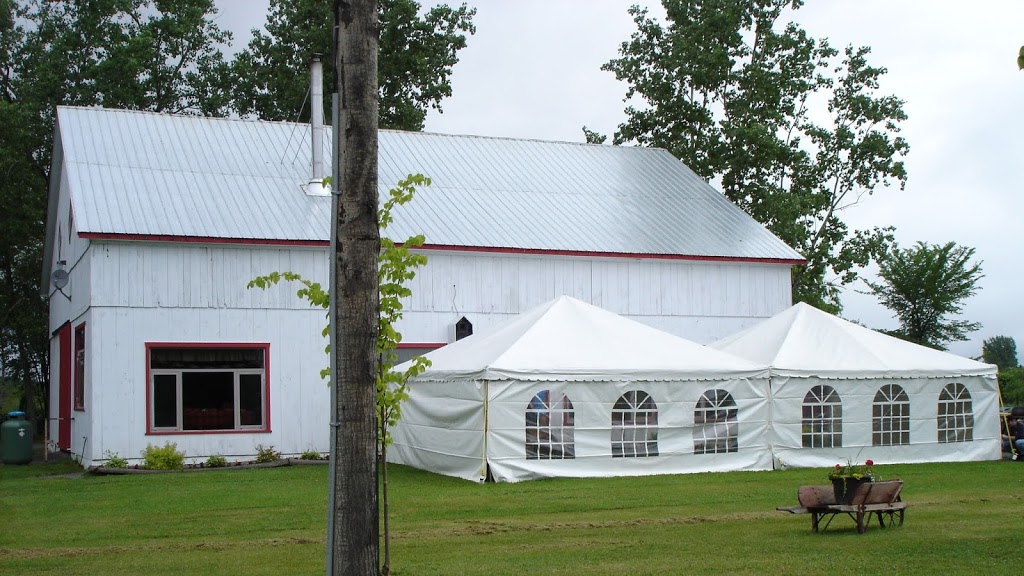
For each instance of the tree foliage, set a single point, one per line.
(1001, 351)
(733, 93)
(397, 266)
(593, 137)
(138, 54)
(417, 53)
(925, 287)
(1011, 386)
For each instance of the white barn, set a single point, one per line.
(157, 222)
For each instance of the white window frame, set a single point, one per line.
(823, 429)
(634, 425)
(890, 416)
(956, 414)
(713, 433)
(552, 434)
(236, 390)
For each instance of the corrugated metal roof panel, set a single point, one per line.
(147, 174)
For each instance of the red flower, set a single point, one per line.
(838, 466)
(869, 462)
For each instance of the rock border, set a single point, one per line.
(106, 471)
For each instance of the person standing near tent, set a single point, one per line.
(1014, 435)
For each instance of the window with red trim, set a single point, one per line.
(208, 388)
(80, 367)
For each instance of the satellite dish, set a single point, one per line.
(59, 278)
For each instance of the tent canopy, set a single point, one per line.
(569, 340)
(803, 341)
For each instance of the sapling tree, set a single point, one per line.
(397, 265)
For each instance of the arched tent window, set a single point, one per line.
(715, 424)
(635, 425)
(890, 417)
(956, 414)
(822, 424)
(549, 427)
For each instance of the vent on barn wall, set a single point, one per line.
(315, 186)
(463, 328)
(460, 329)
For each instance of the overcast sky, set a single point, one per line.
(533, 71)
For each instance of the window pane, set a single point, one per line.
(206, 358)
(165, 401)
(822, 424)
(634, 425)
(80, 368)
(208, 400)
(250, 399)
(715, 423)
(955, 418)
(549, 422)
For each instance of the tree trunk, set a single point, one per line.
(355, 538)
(386, 568)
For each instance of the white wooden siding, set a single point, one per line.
(160, 292)
(694, 299)
(74, 250)
(73, 307)
(299, 398)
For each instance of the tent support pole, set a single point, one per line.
(483, 469)
(1006, 423)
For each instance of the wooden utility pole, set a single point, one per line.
(355, 533)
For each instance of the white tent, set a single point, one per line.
(841, 391)
(569, 389)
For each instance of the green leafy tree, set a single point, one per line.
(1001, 351)
(397, 266)
(732, 92)
(417, 52)
(139, 54)
(925, 287)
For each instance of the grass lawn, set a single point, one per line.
(964, 518)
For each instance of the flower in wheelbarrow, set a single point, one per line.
(853, 471)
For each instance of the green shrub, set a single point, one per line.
(114, 461)
(216, 461)
(266, 454)
(166, 457)
(311, 455)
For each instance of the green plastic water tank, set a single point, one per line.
(16, 439)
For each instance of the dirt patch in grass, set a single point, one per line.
(70, 552)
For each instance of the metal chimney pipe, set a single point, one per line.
(316, 120)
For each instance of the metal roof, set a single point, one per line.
(156, 175)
